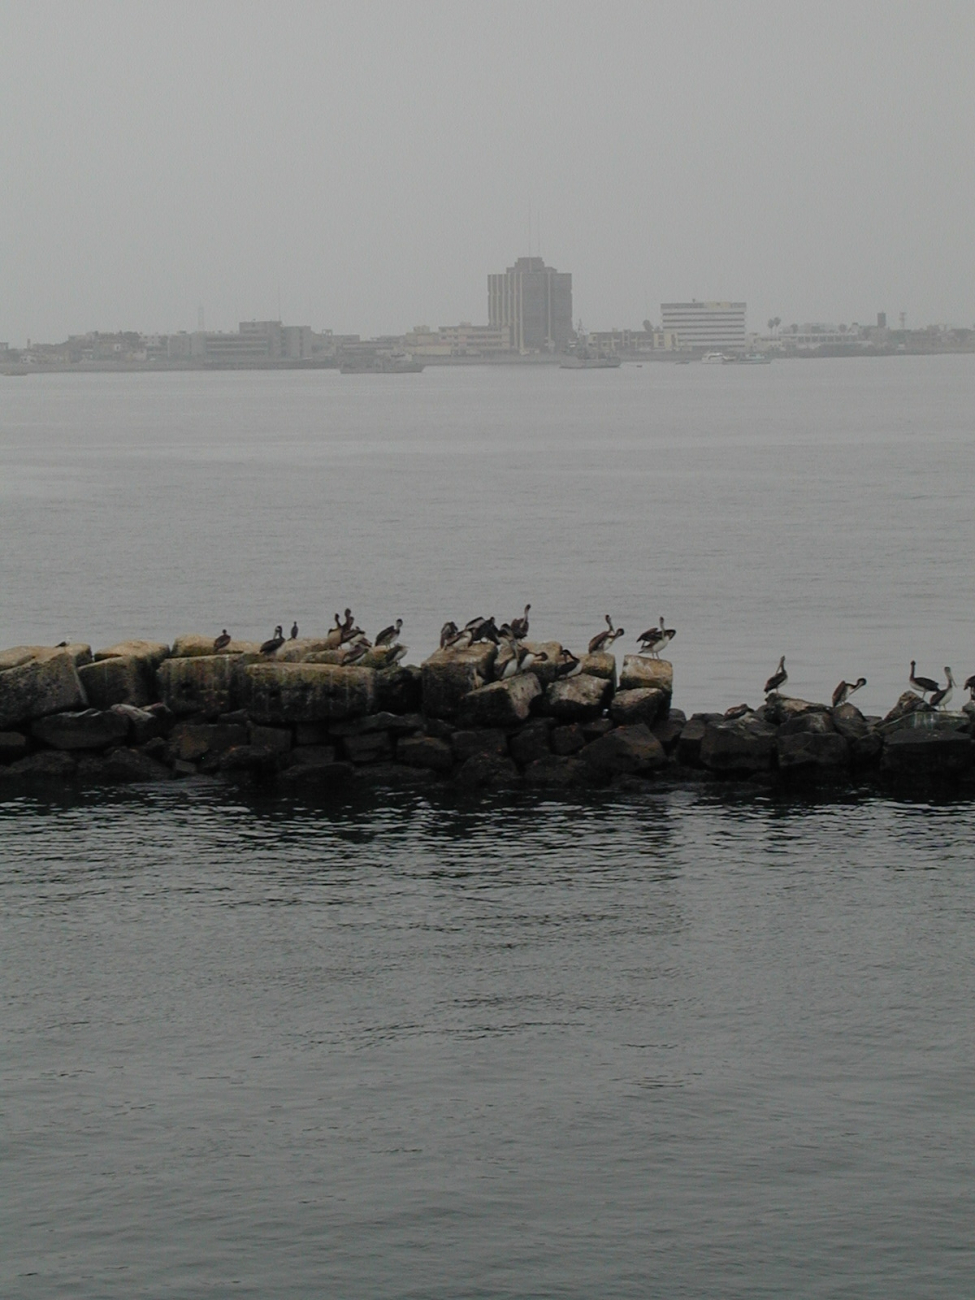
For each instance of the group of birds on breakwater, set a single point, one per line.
(346, 636)
(931, 691)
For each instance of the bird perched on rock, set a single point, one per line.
(519, 626)
(222, 641)
(603, 640)
(736, 711)
(969, 686)
(568, 664)
(389, 635)
(940, 698)
(655, 639)
(392, 654)
(275, 643)
(354, 651)
(448, 632)
(483, 629)
(778, 678)
(845, 690)
(294, 630)
(923, 684)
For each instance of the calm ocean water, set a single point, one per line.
(690, 1044)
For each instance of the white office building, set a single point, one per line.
(706, 326)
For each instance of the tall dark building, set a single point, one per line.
(534, 302)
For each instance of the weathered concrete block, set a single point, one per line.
(425, 751)
(782, 708)
(907, 703)
(850, 722)
(121, 679)
(545, 669)
(531, 742)
(501, 704)
(577, 699)
(149, 652)
(691, 737)
(13, 745)
(642, 704)
(399, 689)
(642, 673)
(739, 745)
(601, 664)
(922, 753)
(815, 722)
(197, 684)
(88, 729)
(38, 687)
(568, 739)
(668, 730)
(190, 741)
(129, 765)
(369, 747)
(799, 749)
(48, 765)
(143, 725)
(625, 751)
(486, 771)
(465, 744)
(448, 675)
(305, 692)
(276, 739)
(192, 645)
(297, 651)
(554, 770)
(251, 758)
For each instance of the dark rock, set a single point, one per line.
(465, 744)
(554, 770)
(640, 672)
(668, 730)
(865, 750)
(310, 733)
(251, 758)
(600, 664)
(597, 727)
(89, 729)
(813, 722)
(781, 708)
(276, 739)
(486, 770)
(438, 728)
(531, 742)
(312, 756)
(184, 768)
(189, 741)
(811, 749)
(321, 776)
(235, 718)
(850, 722)
(545, 669)
(12, 746)
(122, 680)
(130, 765)
(399, 689)
(578, 699)
(923, 753)
(197, 684)
(448, 675)
(425, 751)
(50, 764)
(399, 724)
(149, 653)
(303, 692)
(907, 704)
(568, 739)
(691, 736)
(372, 747)
(501, 704)
(155, 748)
(625, 751)
(39, 687)
(644, 704)
(741, 745)
(143, 725)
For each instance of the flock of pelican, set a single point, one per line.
(931, 691)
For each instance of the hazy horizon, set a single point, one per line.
(363, 167)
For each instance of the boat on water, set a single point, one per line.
(752, 359)
(715, 359)
(391, 363)
(573, 361)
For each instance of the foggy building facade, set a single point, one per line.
(534, 302)
(706, 325)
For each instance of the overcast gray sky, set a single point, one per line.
(366, 165)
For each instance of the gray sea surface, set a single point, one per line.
(689, 1043)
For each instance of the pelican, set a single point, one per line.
(845, 690)
(605, 639)
(568, 665)
(484, 630)
(275, 643)
(222, 641)
(778, 678)
(393, 653)
(389, 634)
(355, 651)
(923, 684)
(970, 687)
(294, 630)
(941, 697)
(654, 639)
(519, 626)
(521, 660)
(448, 632)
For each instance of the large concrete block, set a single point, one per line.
(38, 687)
(122, 679)
(579, 698)
(197, 684)
(501, 704)
(149, 652)
(645, 704)
(640, 672)
(276, 693)
(449, 675)
(88, 729)
(743, 744)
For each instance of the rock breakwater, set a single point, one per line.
(300, 718)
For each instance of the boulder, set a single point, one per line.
(907, 704)
(399, 689)
(13, 745)
(691, 736)
(190, 741)
(333, 656)
(297, 651)
(642, 704)
(17, 655)
(87, 729)
(77, 652)
(197, 684)
(426, 752)
(668, 730)
(546, 669)
(191, 645)
(275, 739)
(568, 739)
(501, 704)
(601, 664)
(312, 756)
(448, 675)
(640, 672)
(370, 747)
(38, 687)
(129, 765)
(486, 770)
(782, 708)
(800, 749)
(741, 745)
(849, 722)
(149, 652)
(579, 698)
(121, 679)
(323, 777)
(554, 770)
(625, 751)
(278, 693)
(399, 724)
(531, 742)
(48, 765)
(813, 722)
(250, 758)
(465, 744)
(922, 753)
